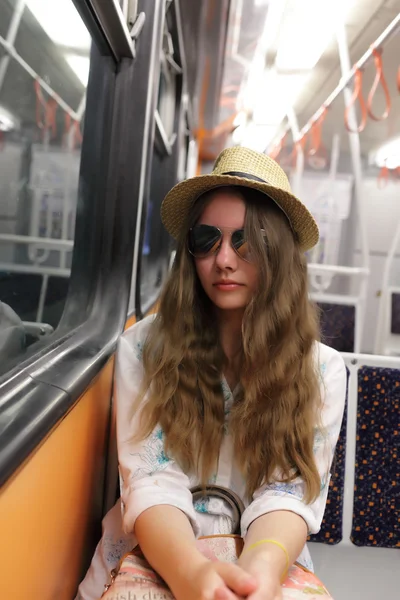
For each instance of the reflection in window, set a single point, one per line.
(44, 66)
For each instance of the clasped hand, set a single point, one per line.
(227, 581)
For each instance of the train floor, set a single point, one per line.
(353, 573)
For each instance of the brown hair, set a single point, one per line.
(274, 416)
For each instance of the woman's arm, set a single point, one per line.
(278, 510)
(282, 526)
(149, 477)
(166, 538)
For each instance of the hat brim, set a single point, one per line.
(179, 200)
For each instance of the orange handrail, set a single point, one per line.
(379, 78)
(357, 95)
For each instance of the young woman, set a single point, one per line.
(227, 385)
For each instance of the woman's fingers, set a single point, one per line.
(224, 593)
(266, 591)
(264, 595)
(237, 579)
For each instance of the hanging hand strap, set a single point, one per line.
(357, 95)
(379, 79)
(276, 150)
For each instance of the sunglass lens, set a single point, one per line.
(204, 240)
(240, 243)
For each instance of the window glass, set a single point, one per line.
(42, 100)
(166, 97)
(156, 241)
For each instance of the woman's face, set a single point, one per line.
(228, 280)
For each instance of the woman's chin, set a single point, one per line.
(229, 303)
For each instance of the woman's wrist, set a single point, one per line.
(262, 557)
(187, 569)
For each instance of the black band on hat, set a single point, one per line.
(245, 176)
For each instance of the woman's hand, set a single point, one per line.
(216, 581)
(263, 565)
(267, 577)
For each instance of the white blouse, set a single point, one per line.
(149, 477)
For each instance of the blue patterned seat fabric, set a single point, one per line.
(331, 528)
(376, 519)
(395, 322)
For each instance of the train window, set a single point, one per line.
(44, 66)
(166, 96)
(164, 169)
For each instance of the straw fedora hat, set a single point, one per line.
(247, 168)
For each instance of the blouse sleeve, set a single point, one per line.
(289, 496)
(148, 476)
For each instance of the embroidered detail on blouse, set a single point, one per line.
(306, 560)
(279, 488)
(226, 391)
(139, 350)
(228, 399)
(201, 505)
(323, 483)
(114, 550)
(319, 439)
(153, 458)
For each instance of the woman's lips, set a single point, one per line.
(227, 286)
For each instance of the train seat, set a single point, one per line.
(331, 528)
(376, 520)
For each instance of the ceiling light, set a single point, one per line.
(277, 93)
(61, 21)
(276, 10)
(80, 65)
(7, 120)
(256, 137)
(240, 119)
(307, 29)
(387, 155)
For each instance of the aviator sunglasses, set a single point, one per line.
(206, 240)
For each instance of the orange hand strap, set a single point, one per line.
(357, 95)
(276, 150)
(379, 78)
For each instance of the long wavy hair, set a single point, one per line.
(275, 413)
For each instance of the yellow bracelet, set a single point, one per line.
(276, 543)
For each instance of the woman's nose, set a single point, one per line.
(226, 257)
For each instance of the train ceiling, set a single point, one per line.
(284, 52)
(251, 57)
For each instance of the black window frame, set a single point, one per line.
(167, 147)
